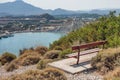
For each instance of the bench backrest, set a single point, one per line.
(88, 45)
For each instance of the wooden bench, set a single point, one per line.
(91, 48)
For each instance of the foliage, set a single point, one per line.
(47, 74)
(25, 51)
(41, 49)
(105, 28)
(58, 48)
(53, 74)
(113, 75)
(53, 54)
(106, 60)
(64, 52)
(43, 63)
(7, 58)
(30, 60)
(24, 60)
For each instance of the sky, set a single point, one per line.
(72, 4)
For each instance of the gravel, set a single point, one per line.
(85, 75)
(5, 74)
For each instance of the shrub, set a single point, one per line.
(58, 48)
(30, 60)
(52, 54)
(12, 66)
(53, 74)
(43, 63)
(48, 74)
(106, 60)
(26, 51)
(23, 60)
(113, 75)
(65, 52)
(41, 49)
(22, 51)
(7, 58)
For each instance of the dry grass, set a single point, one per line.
(43, 63)
(113, 75)
(7, 58)
(53, 54)
(47, 74)
(24, 60)
(12, 66)
(41, 50)
(106, 60)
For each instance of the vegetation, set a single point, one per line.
(65, 52)
(11, 66)
(47, 74)
(33, 56)
(42, 64)
(105, 28)
(53, 54)
(24, 60)
(6, 58)
(30, 60)
(107, 60)
(41, 49)
(113, 75)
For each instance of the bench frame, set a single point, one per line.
(88, 45)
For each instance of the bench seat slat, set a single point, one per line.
(83, 52)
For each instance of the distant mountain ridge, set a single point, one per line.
(19, 7)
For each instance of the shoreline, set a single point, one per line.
(40, 41)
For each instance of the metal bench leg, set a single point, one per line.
(78, 57)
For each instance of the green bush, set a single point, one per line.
(65, 52)
(106, 60)
(43, 63)
(58, 48)
(7, 58)
(53, 54)
(104, 28)
(41, 49)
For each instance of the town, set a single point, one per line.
(42, 23)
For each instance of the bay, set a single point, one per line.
(27, 40)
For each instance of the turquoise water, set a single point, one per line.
(27, 40)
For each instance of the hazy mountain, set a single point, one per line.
(62, 11)
(19, 7)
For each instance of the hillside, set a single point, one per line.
(105, 28)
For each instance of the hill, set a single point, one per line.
(105, 28)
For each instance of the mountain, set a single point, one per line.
(19, 7)
(60, 11)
